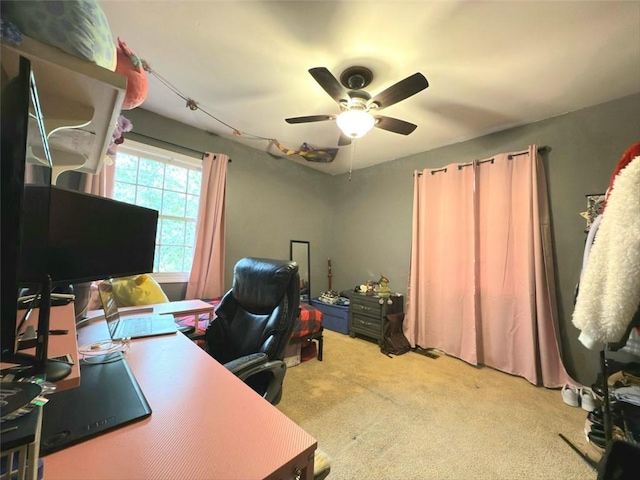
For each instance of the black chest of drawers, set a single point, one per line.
(366, 314)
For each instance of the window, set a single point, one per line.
(170, 183)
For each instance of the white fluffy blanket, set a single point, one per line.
(609, 293)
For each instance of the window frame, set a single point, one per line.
(168, 157)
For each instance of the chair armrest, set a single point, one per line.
(249, 365)
(241, 365)
(186, 329)
(196, 335)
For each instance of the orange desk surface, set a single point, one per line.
(206, 424)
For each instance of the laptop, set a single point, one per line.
(135, 326)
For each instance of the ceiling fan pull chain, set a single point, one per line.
(353, 147)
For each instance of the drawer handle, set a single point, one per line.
(368, 324)
(365, 309)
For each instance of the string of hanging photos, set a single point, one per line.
(306, 151)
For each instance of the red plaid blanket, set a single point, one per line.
(309, 322)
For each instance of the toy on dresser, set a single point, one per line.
(383, 291)
(379, 289)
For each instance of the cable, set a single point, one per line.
(104, 351)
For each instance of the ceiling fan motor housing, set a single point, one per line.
(357, 101)
(356, 78)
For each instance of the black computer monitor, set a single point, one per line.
(22, 125)
(15, 102)
(75, 237)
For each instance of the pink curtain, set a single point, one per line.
(441, 290)
(101, 184)
(503, 270)
(207, 273)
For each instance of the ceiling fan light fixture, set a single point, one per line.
(355, 123)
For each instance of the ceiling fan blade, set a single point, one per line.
(310, 118)
(330, 83)
(401, 90)
(344, 140)
(394, 125)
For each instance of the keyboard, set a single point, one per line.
(135, 326)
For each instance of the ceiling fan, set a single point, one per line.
(358, 107)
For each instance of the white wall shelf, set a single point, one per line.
(80, 103)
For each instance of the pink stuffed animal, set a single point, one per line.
(130, 66)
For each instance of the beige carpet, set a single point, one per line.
(412, 417)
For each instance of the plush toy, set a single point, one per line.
(123, 125)
(369, 288)
(138, 290)
(130, 66)
(383, 291)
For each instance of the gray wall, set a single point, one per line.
(364, 225)
(269, 200)
(373, 211)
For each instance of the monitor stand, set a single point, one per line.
(39, 365)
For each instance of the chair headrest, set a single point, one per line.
(259, 284)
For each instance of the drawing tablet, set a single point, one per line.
(108, 397)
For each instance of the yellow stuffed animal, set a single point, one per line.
(138, 290)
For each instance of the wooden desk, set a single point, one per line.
(206, 424)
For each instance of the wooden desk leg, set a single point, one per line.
(197, 321)
(210, 317)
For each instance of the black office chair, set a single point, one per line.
(254, 322)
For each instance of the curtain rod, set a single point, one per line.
(201, 154)
(542, 149)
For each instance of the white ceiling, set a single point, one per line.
(490, 65)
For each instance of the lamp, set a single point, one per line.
(355, 123)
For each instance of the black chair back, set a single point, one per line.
(258, 314)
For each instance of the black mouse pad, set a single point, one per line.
(108, 397)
